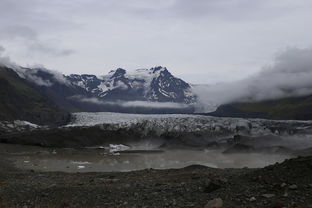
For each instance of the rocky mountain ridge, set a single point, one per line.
(153, 85)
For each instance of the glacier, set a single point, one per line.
(185, 123)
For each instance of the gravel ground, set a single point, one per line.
(288, 184)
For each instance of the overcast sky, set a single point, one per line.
(201, 41)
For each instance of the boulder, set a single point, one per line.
(215, 203)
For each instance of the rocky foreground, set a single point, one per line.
(288, 184)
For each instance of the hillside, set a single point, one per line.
(19, 100)
(295, 108)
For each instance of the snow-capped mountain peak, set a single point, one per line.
(156, 84)
(118, 72)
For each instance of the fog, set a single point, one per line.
(5, 60)
(289, 75)
(141, 104)
(32, 74)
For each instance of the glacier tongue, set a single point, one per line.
(181, 123)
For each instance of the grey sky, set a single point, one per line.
(202, 41)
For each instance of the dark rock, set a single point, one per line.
(293, 187)
(252, 199)
(210, 187)
(268, 195)
(215, 203)
(283, 185)
(278, 204)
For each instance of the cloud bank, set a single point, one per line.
(5, 60)
(290, 75)
(130, 104)
(32, 74)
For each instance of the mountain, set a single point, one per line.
(153, 90)
(294, 108)
(155, 85)
(21, 101)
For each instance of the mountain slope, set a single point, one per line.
(295, 108)
(19, 100)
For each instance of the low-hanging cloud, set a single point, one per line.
(290, 75)
(146, 104)
(121, 85)
(130, 104)
(5, 60)
(31, 74)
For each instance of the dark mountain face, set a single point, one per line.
(55, 86)
(21, 101)
(167, 88)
